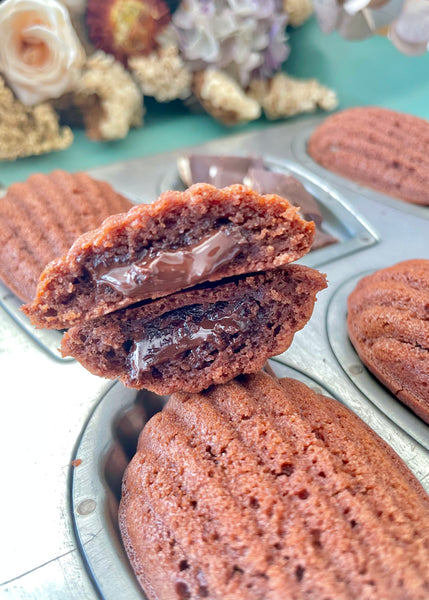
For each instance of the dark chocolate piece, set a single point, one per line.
(219, 171)
(286, 186)
(227, 170)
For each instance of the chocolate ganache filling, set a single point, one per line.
(167, 344)
(175, 269)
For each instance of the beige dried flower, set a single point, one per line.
(223, 98)
(109, 98)
(284, 96)
(298, 11)
(28, 131)
(162, 74)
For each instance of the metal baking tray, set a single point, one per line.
(107, 445)
(49, 340)
(76, 465)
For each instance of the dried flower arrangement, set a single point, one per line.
(98, 59)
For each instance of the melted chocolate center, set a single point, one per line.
(167, 347)
(176, 269)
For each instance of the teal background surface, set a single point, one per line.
(366, 72)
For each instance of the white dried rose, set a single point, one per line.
(40, 53)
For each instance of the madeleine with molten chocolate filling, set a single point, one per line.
(198, 337)
(181, 240)
(264, 489)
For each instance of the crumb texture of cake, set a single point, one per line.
(198, 337)
(42, 217)
(180, 240)
(378, 148)
(388, 324)
(263, 489)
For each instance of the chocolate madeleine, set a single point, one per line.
(264, 489)
(377, 147)
(42, 217)
(198, 337)
(181, 240)
(388, 324)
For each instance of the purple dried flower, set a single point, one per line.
(245, 38)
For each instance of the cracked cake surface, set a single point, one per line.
(264, 489)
